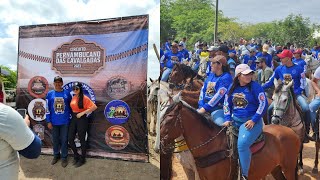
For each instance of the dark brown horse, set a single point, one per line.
(204, 138)
(183, 77)
(317, 144)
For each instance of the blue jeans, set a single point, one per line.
(304, 106)
(245, 139)
(218, 117)
(60, 140)
(314, 106)
(165, 75)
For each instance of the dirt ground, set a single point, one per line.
(308, 161)
(94, 169)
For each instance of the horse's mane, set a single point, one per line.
(187, 71)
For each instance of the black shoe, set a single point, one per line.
(314, 137)
(80, 162)
(64, 163)
(306, 139)
(244, 177)
(55, 160)
(75, 160)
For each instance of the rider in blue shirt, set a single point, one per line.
(298, 60)
(264, 53)
(214, 89)
(286, 73)
(184, 52)
(244, 107)
(168, 60)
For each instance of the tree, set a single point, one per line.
(10, 81)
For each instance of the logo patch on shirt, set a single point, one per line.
(239, 100)
(287, 78)
(58, 105)
(210, 89)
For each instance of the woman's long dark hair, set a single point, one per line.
(80, 102)
(236, 83)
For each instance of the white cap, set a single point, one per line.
(243, 69)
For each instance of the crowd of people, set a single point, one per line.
(239, 79)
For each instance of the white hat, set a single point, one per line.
(213, 48)
(243, 69)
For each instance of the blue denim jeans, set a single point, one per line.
(60, 140)
(246, 138)
(218, 117)
(314, 106)
(165, 75)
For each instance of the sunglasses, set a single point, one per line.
(75, 88)
(216, 62)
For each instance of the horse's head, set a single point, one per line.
(153, 90)
(282, 98)
(171, 127)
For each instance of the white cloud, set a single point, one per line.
(27, 12)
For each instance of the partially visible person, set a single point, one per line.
(315, 104)
(168, 45)
(184, 42)
(223, 50)
(15, 136)
(184, 52)
(264, 53)
(298, 60)
(214, 89)
(81, 106)
(264, 74)
(244, 107)
(58, 119)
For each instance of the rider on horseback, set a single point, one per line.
(245, 105)
(286, 72)
(168, 60)
(214, 88)
(315, 104)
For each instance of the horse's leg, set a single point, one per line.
(165, 166)
(315, 168)
(277, 173)
(152, 122)
(157, 142)
(300, 166)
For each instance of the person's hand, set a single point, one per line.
(201, 110)
(50, 125)
(79, 115)
(26, 119)
(249, 124)
(227, 123)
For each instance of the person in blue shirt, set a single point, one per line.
(184, 52)
(231, 49)
(298, 60)
(168, 60)
(287, 72)
(161, 53)
(250, 59)
(168, 45)
(244, 107)
(264, 53)
(58, 118)
(214, 89)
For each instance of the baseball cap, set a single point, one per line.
(180, 44)
(224, 48)
(252, 49)
(285, 53)
(77, 84)
(213, 48)
(221, 59)
(261, 59)
(243, 69)
(298, 51)
(245, 52)
(57, 79)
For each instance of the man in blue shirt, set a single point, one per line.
(264, 53)
(298, 60)
(251, 59)
(183, 52)
(58, 119)
(168, 45)
(168, 60)
(287, 72)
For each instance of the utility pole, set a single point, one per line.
(216, 22)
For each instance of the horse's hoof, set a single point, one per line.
(300, 171)
(315, 170)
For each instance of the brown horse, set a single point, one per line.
(204, 139)
(183, 77)
(317, 144)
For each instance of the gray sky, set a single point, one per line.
(254, 11)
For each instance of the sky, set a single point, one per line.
(15, 13)
(254, 11)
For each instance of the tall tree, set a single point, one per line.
(9, 81)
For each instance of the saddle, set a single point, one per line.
(232, 134)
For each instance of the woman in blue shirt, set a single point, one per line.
(244, 106)
(214, 89)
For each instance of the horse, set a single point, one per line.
(206, 139)
(153, 104)
(183, 74)
(287, 113)
(203, 66)
(312, 65)
(317, 145)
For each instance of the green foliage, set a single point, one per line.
(10, 81)
(194, 19)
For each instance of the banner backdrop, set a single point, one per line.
(109, 57)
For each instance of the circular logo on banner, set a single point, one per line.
(39, 130)
(37, 109)
(38, 87)
(117, 112)
(117, 87)
(87, 90)
(117, 137)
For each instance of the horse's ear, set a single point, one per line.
(176, 98)
(159, 78)
(151, 80)
(290, 84)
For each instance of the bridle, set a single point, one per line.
(171, 146)
(282, 109)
